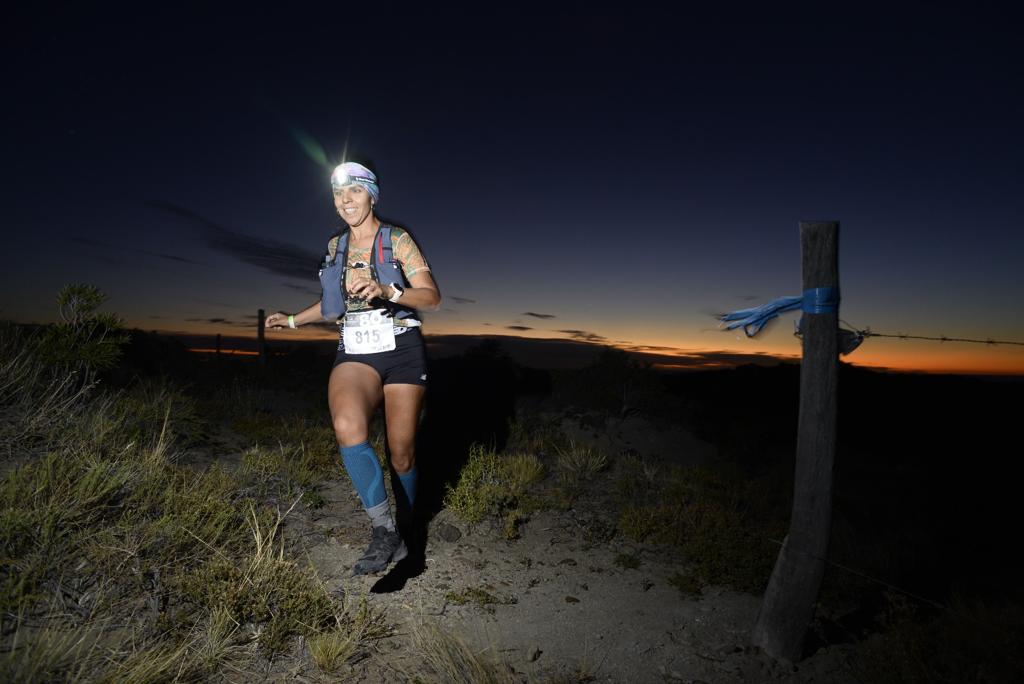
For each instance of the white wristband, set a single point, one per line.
(291, 321)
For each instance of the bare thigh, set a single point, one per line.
(353, 392)
(402, 405)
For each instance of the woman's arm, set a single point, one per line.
(423, 294)
(279, 319)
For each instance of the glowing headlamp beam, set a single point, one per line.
(310, 146)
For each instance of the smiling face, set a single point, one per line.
(353, 203)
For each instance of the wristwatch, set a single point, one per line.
(396, 292)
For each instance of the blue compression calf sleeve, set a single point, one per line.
(407, 480)
(365, 472)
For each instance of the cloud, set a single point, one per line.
(584, 335)
(224, 321)
(272, 256)
(538, 315)
(106, 247)
(566, 353)
(216, 303)
(82, 240)
(650, 348)
(174, 257)
(305, 289)
(461, 300)
(517, 327)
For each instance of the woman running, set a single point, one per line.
(374, 279)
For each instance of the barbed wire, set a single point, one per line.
(867, 332)
(888, 585)
(753, 320)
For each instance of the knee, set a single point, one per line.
(349, 430)
(402, 459)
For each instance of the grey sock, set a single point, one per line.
(380, 516)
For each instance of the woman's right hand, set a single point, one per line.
(276, 320)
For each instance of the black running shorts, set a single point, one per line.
(406, 364)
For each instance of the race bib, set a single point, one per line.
(368, 332)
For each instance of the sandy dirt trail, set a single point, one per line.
(553, 604)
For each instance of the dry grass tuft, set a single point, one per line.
(577, 463)
(449, 659)
(118, 565)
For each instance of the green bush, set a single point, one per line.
(491, 485)
(718, 520)
(83, 339)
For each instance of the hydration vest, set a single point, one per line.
(382, 261)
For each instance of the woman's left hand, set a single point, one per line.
(368, 289)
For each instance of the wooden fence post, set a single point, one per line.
(788, 604)
(261, 345)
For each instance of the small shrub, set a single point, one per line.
(521, 472)
(578, 464)
(492, 486)
(534, 435)
(480, 491)
(83, 339)
(262, 462)
(637, 478)
(709, 516)
(513, 519)
(639, 522)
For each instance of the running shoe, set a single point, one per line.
(385, 546)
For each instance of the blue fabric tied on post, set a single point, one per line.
(820, 300)
(817, 300)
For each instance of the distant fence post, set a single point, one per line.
(788, 604)
(261, 345)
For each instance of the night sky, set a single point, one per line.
(613, 173)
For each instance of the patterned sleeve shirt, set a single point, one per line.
(406, 253)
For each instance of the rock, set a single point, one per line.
(533, 654)
(449, 533)
(571, 599)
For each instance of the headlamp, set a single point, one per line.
(340, 178)
(351, 173)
